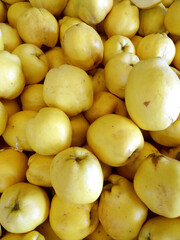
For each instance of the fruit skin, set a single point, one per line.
(160, 228)
(82, 46)
(15, 10)
(32, 97)
(152, 20)
(14, 134)
(3, 118)
(99, 233)
(156, 45)
(41, 27)
(119, 22)
(128, 171)
(152, 94)
(23, 207)
(46, 230)
(119, 207)
(13, 168)
(76, 175)
(168, 137)
(34, 62)
(105, 103)
(68, 88)
(56, 7)
(172, 18)
(73, 221)
(38, 171)
(111, 143)
(92, 12)
(49, 132)
(32, 235)
(117, 44)
(145, 4)
(117, 70)
(157, 184)
(10, 37)
(12, 79)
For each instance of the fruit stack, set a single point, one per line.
(89, 119)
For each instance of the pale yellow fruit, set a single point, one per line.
(13, 168)
(68, 88)
(3, 118)
(106, 169)
(115, 139)
(12, 106)
(98, 80)
(167, 3)
(172, 18)
(120, 210)
(88, 52)
(76, 175)
(12, 1)
(176, 71)
(12, 80)
(136, 40)
(146, 4)
(3, 11)
(23, 207)
(73, 221)
(65, 23)
(1, 41)
(128, 171)
(117, 71)
(168, 137)
(41, 27)
(156, 45)
(14, 134)
(152, 94)
(34, 62)
(105, 103)
(117, 44)
(46, 230)
(172, 152)
(176, 60)
(123, 19)
(157, 184)
(32, 235)
(70, 9)
(38, 171)
(160, 228)
(152, 20)
(79, 129)
(99, 233)
(10, 36)
(55, 57)
(55, 7)
(32, 97)
(49, 132)
(92, 12)
(15, 10)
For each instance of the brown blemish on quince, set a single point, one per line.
(146, 103)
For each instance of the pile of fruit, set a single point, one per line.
(89, 119)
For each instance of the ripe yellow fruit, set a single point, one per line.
(156, 45)
(152, 94)
(172, 18)
(13, 168)
(115, 139)
(69, 88)
(3, 118)
(49, 131)
(88, 52)
(123, 19)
